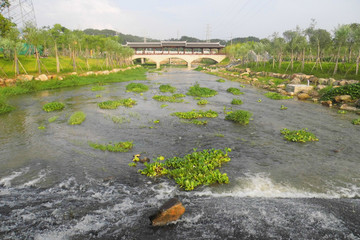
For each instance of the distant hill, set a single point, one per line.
(131, 38)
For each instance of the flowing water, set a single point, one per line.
(54, 186)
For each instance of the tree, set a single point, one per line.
(33, 36)
(278, 44)
(342, 34)
(355, 37)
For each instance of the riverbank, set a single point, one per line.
(29, 84)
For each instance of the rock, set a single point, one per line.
(255, 79)
(326, 103)
(314, 94)
(106, 72)
(90, 73)
(343, 83)
(144, 160)
(73, 73)
(296, 88)
(323, 81)
(43, 77)
(51, 76)
(60, 78)
(25, 78)
(2, 82)
(170, 211)
(352, 81)
(295, 81)
(314, 80)
(319, 87)
(343, 98)
(10, 82)
(248, 70)
(348, 108)
(331, 81)
(282, 86)
(303, 96)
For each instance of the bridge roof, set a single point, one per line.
(173, 44)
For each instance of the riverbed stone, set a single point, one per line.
(25, 78)
(323, 81)
(303, 96)
(296, 88)
(326, 103)
(295, 81)
(170, 211)
(357, 103)
(2, 82)
(10, 82)
(319, 87)
(43, 77)
(348, 108)
(343, 98)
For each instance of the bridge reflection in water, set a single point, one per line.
(187, 51)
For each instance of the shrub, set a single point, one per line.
(127, 102)
(194, 114)
(236, 102)
(192, 170)
(167, 88)
(298, 135)
(239, 116)
(276, 96)
(197, 91)
(202, 102)
(116, 147)
(53, 106)
(77, 118)
(356, 121)
(137, 87)
(234, 91)
(352, 89)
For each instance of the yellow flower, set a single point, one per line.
(161, 158)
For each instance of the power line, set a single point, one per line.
(20, 12)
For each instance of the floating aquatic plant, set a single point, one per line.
(298, 135)
(127, 102)
(113, 147)
(77, 118)
(137, 87)
(53, 106)
(197, 91)
(276, 96)
(234, 91)
(167, 88)
(239, 116)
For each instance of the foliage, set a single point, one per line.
(98, 96)
(356, 121)
(220, 80)
(352, 89)
(202, 102)
(97, 88)
(197, 91)
(127, 102)
(164, 105)
(239, 116)
(197, 122)
(175, 98)
(282, 107)
(192, 170)
(341, 112)
(113, 147)
(4, 107)
(53, 119)
(234, 91)
(194, 114)
(167, 88)
(298, 135)
(137, 87)
(276, 96)
(236, 101)
(77, 118)
(53, 106)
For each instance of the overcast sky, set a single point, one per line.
(164, 19)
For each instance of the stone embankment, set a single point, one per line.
(304, 87)
(44, 77)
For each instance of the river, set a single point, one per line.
(53, 185)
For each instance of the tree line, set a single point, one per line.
(312, 45)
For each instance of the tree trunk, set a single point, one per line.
(273, 63)
(303, 60)
(74, 60)
(357, 63)
(292, 60)
(337, 61)
(280, 60)
(16, 63)
(57, 59)
(38, 60)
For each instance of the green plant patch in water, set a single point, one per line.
(164, 105)
(175, 98)
(195, 121)
(137, 87)
(42, 127)
(53, 106)
(276, 96)
(4, 107)
(236, 102)
(283, 107)
(194, 114)
(97, 88)
(77, 118)
(298, 135)
(202, 102)
(167, 88)
(220, 80)
(239, 116)
(341, 112)
(234, 91)
(192, 170)
(53, 119)
(197, 91)
(113, 147)
(98, 96)
(356, 121)
(127, 102)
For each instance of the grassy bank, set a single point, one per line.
(71, 81)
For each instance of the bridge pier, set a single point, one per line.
(189, 65)
(142, 60)
(157, 65)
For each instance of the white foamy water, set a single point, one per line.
(41, 176)
(6, 181)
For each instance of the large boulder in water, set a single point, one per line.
(170, 211)
(343, 98)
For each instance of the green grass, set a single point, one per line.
(97, 88)
(236, 101)
(298, 135)
(220, 80)
(239, 116)
(164, 105)
(194, 114)
(137, 87)
(167, 88)
(282, 107)
(276, 96)
(53, 106)
(113, 147)
(352, 89)
(356, 121)
(77, 118)
(192, 170)
(127, 102)
(202, 102)
(197, 91)
(175, 98)
(276, 81)
(234, 91)
(53, 119)
(4, 107)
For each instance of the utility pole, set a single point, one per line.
(20, 12)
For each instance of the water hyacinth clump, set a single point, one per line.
(202, 102)
(167, 88)
(240, 116)
(97, 88)
(234, 91)
(77, 118)
(53, 106)
(192, 170)
(276, 96)
(298, 135)
(137, 87)
(236, 102)
(194, 114)
(53, 119)
(127, 102)
(220, 80)
(175, 98)
(113, 147)
(4, 107)
(356, 121)
(197, 91)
